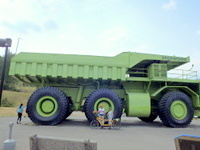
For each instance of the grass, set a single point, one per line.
(16, 98)
(8, 111)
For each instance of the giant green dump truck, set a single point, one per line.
(134, 83)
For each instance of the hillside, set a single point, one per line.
(16, 97)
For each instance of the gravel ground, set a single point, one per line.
(133, 134)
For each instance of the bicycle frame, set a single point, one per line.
(101, 121)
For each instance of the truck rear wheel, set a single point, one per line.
(105, 97)
(175, 109)
(48, 106)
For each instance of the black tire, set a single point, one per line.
(69, 112)
(175, 109)
(94, 124)
(151, 118)
(48, 106)
(105, 96)
(116, 124)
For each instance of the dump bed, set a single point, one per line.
(34, 67)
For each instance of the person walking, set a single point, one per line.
(20, 112)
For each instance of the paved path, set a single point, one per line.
(133, 135)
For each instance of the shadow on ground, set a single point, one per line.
(126, 123)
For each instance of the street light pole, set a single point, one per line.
(4, 43)
(17, 44)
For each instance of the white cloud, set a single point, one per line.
(170, 5)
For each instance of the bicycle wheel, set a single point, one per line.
(94, 124)
(116, 124)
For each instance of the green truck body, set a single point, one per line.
(134, 83)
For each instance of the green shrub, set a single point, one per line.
(6, 103)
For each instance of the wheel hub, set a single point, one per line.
(178, 109)
(46, 106)
(106, 102)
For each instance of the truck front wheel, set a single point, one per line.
(105, 97)
(175, 109)
(48, 106)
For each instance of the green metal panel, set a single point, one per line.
(158, 71)
(114, 73)
(65, 70)
(23, 68)
(138, 105)
(75, 66)
(105, 73)
(54, 71)
(75, 71)
(85, 67)
(138, 100)
(146, 59)
(86, 72)
(33, 69)
(44, 69)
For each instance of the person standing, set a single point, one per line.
(20, 112)
(110, 116)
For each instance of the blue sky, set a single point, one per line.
(103, 27)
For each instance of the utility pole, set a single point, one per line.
(4, 43)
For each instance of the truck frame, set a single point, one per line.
(136, 84)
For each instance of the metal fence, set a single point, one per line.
(182, 74)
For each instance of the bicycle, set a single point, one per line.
(100, 123)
